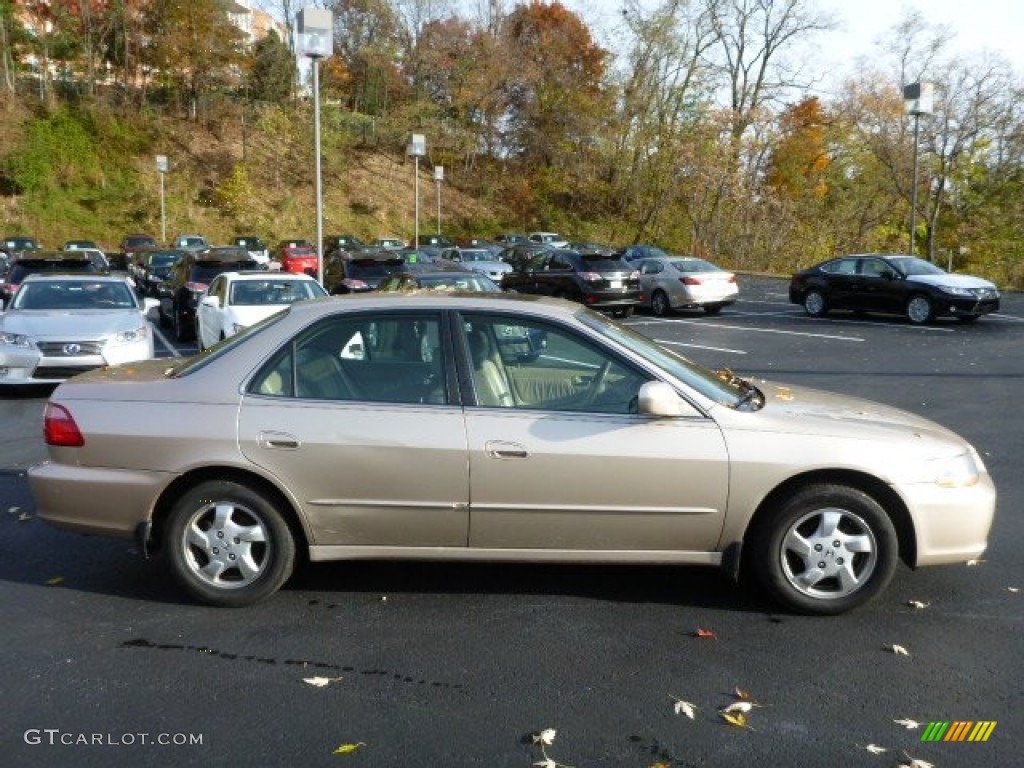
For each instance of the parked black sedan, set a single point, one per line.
(606, 283)
(892, 284)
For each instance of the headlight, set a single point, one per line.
(15, 340)
(136, 334)
(956, 290)
(957, 472)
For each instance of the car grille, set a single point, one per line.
(61, 371)
(70, 348)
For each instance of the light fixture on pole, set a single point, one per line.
(917, 98)
(316, 41)
(162, 167)
(417, 149)
(438, 178)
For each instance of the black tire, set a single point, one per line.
(228, 545)
(815, 303)
(623, 312)
(824, 550)
(660, 305)
(712, 309)
(920, 309)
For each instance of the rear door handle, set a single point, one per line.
(499, 449)
(278, 440)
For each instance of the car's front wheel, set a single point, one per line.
(826, 549)
(920, 310)
(815, 303)
(229, 545)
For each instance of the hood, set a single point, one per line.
(71, 324)
(802, 410)
(956, 281)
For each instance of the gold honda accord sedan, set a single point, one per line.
(514, 428)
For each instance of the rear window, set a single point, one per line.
(601, 263)
(694, 265)
(205, 271)
(24, 267)
(374, 267)
(139, 242)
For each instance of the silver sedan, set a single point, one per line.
(684, 282)
(58, 326)
(514, 428)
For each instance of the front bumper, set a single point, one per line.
(951, 525)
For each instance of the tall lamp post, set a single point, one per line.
(438, 178)
(316, 41)
(917, 98)
(417, 149)
(162, 167)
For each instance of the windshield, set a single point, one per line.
(74, 294)
(139, 242)
(476, 256)
(374, 267)
(163, 259)
(273, 291)
(705, 381)
(911, 265)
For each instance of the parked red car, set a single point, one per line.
(297, 256)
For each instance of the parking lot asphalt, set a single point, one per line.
(431, 664)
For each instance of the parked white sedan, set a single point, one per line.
(236, 300)
(58, 326)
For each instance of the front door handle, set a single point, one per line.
(278, 440)
(499, 449)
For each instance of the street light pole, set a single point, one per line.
(417, 148)
(162, 167)
(316, 35)
(438, 177)
(917, 98)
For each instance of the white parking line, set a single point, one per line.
(157, 333)
(700, 346)
(707, 324)
(1011, 318)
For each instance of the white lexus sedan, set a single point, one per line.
(58, 326)
(236, 300)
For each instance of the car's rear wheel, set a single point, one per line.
(826, 549)
(712, 309)
(660, 305)
(920, 310)
(229, 545)
(815, 303)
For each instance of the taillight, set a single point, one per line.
(197, 287)
(732, 279)
(59, 427)
(355, 285)
(690, 281)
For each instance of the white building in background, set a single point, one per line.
(254, 23)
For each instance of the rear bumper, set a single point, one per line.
(99, 501)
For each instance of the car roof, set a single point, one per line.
(493, 302)
(90, 277)
(266, 274)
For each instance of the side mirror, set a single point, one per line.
(656, 398)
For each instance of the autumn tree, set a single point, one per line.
(193, 46)
(367, 44)
(272, 72)
(799, 157)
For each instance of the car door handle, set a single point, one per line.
(277, 440)
(499, 449)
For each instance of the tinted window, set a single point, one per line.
(205, 271)
(373, 267)
(598, 262)
(24, 267)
